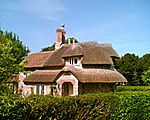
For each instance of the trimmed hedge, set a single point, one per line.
(111, 106)
(132, 88)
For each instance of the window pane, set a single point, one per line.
(42, 89)
(37, 89)
(75, 61)
(70, 61)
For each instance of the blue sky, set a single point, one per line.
(123, 23)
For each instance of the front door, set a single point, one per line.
(67, 89)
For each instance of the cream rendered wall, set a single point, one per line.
(67, 78)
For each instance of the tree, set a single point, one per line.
(145, 60)
(132, 67)
(126, 66)
(71, 40)
(12, 52)
(146, 77)
(51, 48)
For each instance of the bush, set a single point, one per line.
(111, 106)
(132, 88)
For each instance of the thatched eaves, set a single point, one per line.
(42, 76)
(96, 75)
(83, 75)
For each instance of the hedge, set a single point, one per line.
(132, 88)
(111, 106)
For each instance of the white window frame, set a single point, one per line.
(40, 89)
(72, 61)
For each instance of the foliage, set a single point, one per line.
(51, 48)
(71, 40)
(146, 77)
(116, 106)
(12, 52)
(132, 67)
(132, 88)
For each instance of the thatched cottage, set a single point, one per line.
(72, 69)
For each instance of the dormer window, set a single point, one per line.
(74, 61)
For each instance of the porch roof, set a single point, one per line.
(96, 75)
(42, 76)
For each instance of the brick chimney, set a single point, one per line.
(60, 37)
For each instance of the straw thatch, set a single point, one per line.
(42, 76)
(96, 75)
(92, 53)
(108, 49)
(95, 55)
(83, 75)
(37, 59)
(55, 59)
(74, 50)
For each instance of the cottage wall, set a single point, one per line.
(49, 88)
(87, 88)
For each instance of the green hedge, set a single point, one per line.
(132, 88)
(112, 106)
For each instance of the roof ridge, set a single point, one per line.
(104, 44)
(40, 52)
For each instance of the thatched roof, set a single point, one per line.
(74, 50)
(93, 53)
(37, 59)
(83, 75)
(108, 49)
(55, 59)
(42, 76)
(95, 75)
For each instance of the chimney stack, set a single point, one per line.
(60, 38)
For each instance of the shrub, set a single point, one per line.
(132, 88)
(111, 106)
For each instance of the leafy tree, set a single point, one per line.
(12, 52)
(132, 67)
(145, 60)
(71, 40)
(146, 77)
(51, 48)
(126, 65)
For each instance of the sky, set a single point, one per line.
(123, 23)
